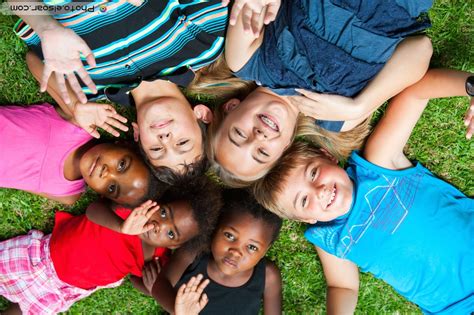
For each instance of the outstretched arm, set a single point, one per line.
(385, 145)
(88, 116)
(342, 278)
(163, 290)
(272, 298)
(62, 49)
(407, 65)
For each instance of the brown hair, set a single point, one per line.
(266, 189)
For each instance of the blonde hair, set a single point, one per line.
(267, 189)
(217, 80)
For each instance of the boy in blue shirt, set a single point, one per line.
(384, 215)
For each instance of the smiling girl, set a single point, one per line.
(48, 155)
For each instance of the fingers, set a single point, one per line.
(62, 87)
(272, 11)
(76, 87)
(92, 130)
(203, 301)
(224, 3)
(85, 77)
(45, 78)
(202, 286)
(236, 9)
(158, 265)
(116, 124)
(181, 290)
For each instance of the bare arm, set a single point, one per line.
(272, 297)
(62, 49)
(88, 116)
(407, 65)
(163, 290)
(385, 145)
(342, 278)
(101, 213)
(66, 200)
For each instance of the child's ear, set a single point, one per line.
(310, 221)
(328, 155)
(136, 134)
(231, 104)
(203, 113)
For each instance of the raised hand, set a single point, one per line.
(137, 221)
(150, 273)
(252, 12)
(62, 48)
(469, 120)
(89, 116)
(190, 300)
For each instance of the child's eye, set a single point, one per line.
(163, 213)
(157, 149)
(229, 236)
(183, 142)
(240, 133)
(111, 189)
(121, 166)
(313, 174)
(304, 201)
(252, 248)
(170, 235)
(263, 152)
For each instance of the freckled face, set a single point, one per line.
(169, 133)
(239, 243)
(115, 172)
(254, 134)
(174, 225)
(318, 190)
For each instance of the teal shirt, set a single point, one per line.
(410, 229)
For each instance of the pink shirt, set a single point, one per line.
(34, 143)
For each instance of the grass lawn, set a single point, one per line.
(438, 142)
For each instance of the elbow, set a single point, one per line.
(423, 53)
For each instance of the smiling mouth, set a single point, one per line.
(161, 123)
(229, 262)
(93, 166)
(333, 196)
(269, 122)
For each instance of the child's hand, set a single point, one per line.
(325, 106)
(190, 300)
(62, 49)
(150, 273)
(89, 116)
(252, 11)
(136, 3)
(469, 120)
(137, 221)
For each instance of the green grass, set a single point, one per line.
(438, 142)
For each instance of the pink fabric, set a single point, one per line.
(27, 276)
(35, 141)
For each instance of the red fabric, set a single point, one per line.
(87, 255)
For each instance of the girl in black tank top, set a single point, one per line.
(240, 277)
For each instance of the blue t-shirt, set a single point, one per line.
(410, 229)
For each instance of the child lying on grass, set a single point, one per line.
(48, 273)
(384, 215)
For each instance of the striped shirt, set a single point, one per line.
(130, 44)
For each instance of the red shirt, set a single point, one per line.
(87, 255)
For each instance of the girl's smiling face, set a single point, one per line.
(174, 225)
(254, 133)
(115, 172)
(239, 243)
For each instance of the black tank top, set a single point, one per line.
(245, 299)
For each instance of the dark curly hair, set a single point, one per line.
(205, 198)
(239, 201)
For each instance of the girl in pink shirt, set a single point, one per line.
(48, 155)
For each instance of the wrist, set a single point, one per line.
(47, 26)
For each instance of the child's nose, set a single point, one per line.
(105, 171)
(235, 251)
(165, 136)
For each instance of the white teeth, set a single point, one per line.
(269, 122)
(333, 194)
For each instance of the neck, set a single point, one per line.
(148, 91)
(235, 280)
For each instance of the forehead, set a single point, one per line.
(183, 219)
(247, 226)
